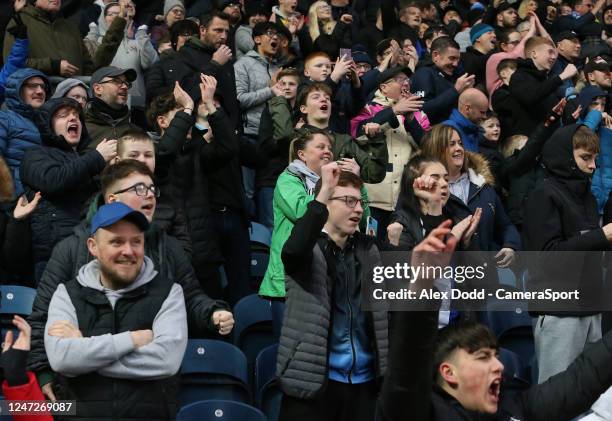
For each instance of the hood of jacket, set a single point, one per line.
(587, 96)
(558, 154)
(66, 85)
(256, 56)
(13, 99)
(479, 171)
(458, 122)
(89, 276)
(527, 66)
(558, 159)
(195, 42)
(45, 125)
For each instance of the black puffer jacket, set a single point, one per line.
(309, 329)
(63, 176)
(72, 253)
(561, 216)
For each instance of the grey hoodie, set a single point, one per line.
(66, 85)
(253, 74)
(114, 355)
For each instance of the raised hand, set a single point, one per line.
(25, 208)
(108, 149)
(342, 67)
(350, 165)
(182, 98)
(222, 55)
(67, 69)
(23, 340)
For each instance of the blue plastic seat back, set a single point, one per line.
(265, 369)
(16, 300)
(260, 234)
(213, 370)
(221, 410)
(259, 264)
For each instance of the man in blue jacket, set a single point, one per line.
(466, 119)
(26, 91)
(438, 83)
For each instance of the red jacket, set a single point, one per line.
(26, 392)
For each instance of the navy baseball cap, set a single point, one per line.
(108, 215)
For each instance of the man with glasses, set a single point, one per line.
(26, 91)
(395, 105)
(129, 182)
(107, 115)
(331, 352)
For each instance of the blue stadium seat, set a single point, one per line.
(515, 371)
(506, 277)
(267, 391)
(259, 264)
(253, 328)
(16, 300)
(513, 329)
(260, 234)
(221, 410)
(213, 370)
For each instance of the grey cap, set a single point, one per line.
(112, 71)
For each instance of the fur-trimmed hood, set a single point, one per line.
(478, 169)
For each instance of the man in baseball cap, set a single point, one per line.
(107, 115)
(597, 72)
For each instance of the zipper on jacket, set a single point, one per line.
(350, 308)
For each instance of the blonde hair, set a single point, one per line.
(522, 10)
(512, 144)
(314, 27)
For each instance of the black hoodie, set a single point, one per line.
(535, 93)
(63, 175)
(560, 217)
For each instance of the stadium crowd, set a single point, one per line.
(142, 143)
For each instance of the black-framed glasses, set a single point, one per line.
(271, 33)
(351, 201)
(118, 82)
(141, 189)
(33, 85)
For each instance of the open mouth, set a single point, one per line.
(444, 194)
(148, 207)
(324, 107)
(274, 45)
(73, 129)
(494, 389)
(355, 219)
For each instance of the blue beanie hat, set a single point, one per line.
(479, 30)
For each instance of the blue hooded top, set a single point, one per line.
(17, 129)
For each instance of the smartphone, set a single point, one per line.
(372, 227)
(346, 52)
